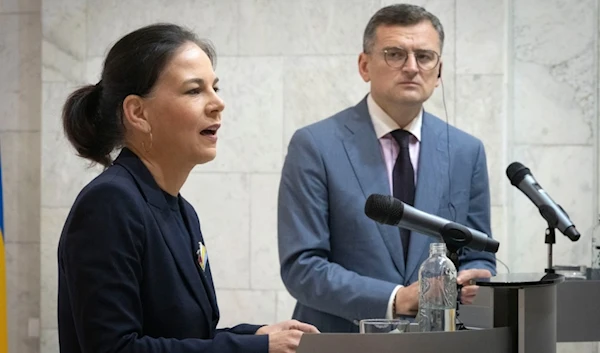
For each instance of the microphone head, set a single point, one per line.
(492, 245)
(572, 233)
(516, 172)
(384, 209)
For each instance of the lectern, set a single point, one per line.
(524, 321)
(524, 310)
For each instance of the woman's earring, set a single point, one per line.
(147, 150)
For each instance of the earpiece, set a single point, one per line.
(451, 207)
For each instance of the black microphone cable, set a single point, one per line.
(450, 204)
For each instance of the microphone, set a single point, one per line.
(521, 177)
(388, 210)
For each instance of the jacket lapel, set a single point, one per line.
(180, 250)
(193, 224)
(184, 258)
(432, 170)
(364, 153)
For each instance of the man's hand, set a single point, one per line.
(407, 300)
(466, 279)
(287, 325)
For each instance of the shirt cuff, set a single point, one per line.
(390, 309)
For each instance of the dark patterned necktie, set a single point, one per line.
(403, 180)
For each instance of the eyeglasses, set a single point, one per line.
(396, 57)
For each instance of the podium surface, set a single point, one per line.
(577, 310)
(524, 321)
(495, 340)
(521, 280)
(526, 302)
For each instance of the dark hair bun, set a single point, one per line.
(82, 125)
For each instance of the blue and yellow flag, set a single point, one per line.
(3, 294)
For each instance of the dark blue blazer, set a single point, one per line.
(129, 279)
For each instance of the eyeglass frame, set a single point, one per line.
(385, 50)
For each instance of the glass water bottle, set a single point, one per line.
(438, 291)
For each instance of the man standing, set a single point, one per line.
(340, 265)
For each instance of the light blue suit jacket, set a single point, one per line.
(340, 265)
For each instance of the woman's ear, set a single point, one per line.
(133, 113)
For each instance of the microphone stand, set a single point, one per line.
(550, 240)
(550, 235)
(453, 255)
(454, 236)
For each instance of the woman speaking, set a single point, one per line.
(133, 271)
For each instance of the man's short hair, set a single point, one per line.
(399, 15)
